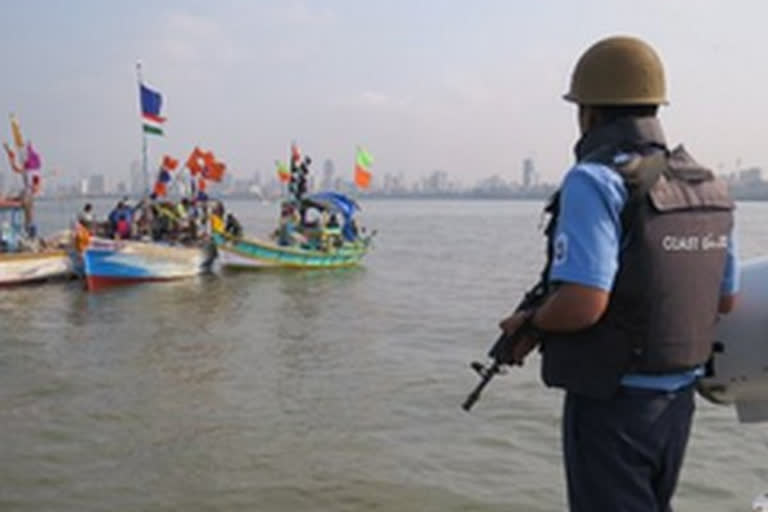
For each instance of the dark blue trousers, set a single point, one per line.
(625, 454)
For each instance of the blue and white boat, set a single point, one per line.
(109, 263)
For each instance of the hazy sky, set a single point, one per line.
(468, 87)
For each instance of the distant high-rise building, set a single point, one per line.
(751, 176)
(529, 173)
(94, 185)
(329, 169)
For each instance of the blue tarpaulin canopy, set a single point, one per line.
(337, 203)
(334, 202)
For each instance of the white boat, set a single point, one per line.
(29, 267)
(24, 260)
(110, 263)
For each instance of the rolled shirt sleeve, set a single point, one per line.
(588, 232)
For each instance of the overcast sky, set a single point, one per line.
(468, 87)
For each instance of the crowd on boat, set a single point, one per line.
(323, 221)
(184, 221)
(309, 227)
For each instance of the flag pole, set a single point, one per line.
(355, 187)
(144, 168)
(21, 150)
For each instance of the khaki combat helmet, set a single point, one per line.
(618, 70)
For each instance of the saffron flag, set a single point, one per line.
(363, 162)
(18, 140)
(283, 174)
(159, 189)
(151, 102)
(362, 177)
(33, 159)
(168, 165)
(214, 171)
(194, 162)
(205, 164)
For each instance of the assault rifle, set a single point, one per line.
(501, 351)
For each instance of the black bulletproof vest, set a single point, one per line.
(663, 305)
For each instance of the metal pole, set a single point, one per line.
(143, 135)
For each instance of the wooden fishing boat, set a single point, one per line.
(25, 257)
(31, 267)
(24, 260)
(246, 253)
(109, 263)
(317, 247)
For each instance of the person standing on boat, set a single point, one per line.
(233, 227)
(642, 261)
(113, 217)
(86, 217)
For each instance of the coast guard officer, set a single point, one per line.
(642, 262)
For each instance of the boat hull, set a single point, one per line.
(245, 253)
(21, 268)
(109, 263)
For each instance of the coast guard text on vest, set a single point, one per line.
(706, 242)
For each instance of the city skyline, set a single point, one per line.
(471, 89)
(746, 183)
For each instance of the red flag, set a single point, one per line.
(193, 162)
(362, 177)
(201, 185)
(295, 153)
(214, 171)
(160, 189)
(169, 163)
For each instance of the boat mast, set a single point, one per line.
(26, 194)
(144, 168)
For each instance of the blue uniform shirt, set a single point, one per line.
(587, 244)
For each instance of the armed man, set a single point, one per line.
(641, 261)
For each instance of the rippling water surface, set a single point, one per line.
(313, 391)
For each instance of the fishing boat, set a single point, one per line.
(24, 256)
(254, 253)
(163, 256)
(308, 248)
(25, 259)
(108, 263)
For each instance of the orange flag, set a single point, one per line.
(362, 177)
(169, 163)
(193, 162)
(214, 171)
(160, 189)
